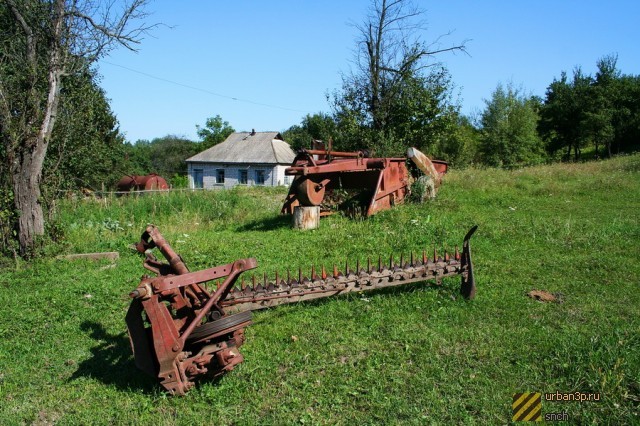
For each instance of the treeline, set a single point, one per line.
(586, 116)
(166, 155)
(95, 156)
(582, 116)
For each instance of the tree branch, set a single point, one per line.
(31, 43)
(106, 30)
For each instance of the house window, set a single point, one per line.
(220, 176)
(259, 177)
(198, 178)
(242, 177)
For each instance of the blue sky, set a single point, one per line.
(265, 64)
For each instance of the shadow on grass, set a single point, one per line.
(267, 224)
(111, 361)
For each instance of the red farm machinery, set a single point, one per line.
(186, 325)
(354, 182)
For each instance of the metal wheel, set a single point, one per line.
(216, 327)
(309, 192)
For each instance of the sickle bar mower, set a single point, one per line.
(180, 329)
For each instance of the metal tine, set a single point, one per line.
(299, 275)
(391, 261)
(313, 272)
(335, 271)
(446, 255)
(243, 285)
(346, 267)
(401, 260)
(379, 264)
(412, 264)
(457, 254)
(268, 284)
(277, 279)
(324, 273)
(424, 257)
(288, 276)
(357, 266)
(264, 279)
(368, 265)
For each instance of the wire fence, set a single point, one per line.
(101, 193)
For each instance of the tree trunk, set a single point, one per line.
(306, 217)
(27, 170)
(26, 189)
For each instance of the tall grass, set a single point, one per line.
(405, 355)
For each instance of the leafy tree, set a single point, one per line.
(615, 108)
(626, 117)
(395, 96)
(599, 108)
(214, 131)
(137, 158)
(462, 145)
(168, 154)
(164, 156)
(509, 129)
(564, 117)
(86, 147)
(43, 42)
(601, 111)
(319, 126)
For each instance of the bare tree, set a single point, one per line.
(390, 55)
(42, 41)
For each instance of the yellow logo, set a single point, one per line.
(527, 407)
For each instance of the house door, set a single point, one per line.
(198, 178)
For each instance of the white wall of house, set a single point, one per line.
(233, 173)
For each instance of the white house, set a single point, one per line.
(244, 158)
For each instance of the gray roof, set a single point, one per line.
(244, 147)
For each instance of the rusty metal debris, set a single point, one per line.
(368, 185)
(151, 182)
(181, 330)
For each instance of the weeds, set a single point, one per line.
(405, 355)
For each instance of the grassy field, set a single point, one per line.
(415, 355)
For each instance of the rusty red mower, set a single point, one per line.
(181, 330)
(353, 182)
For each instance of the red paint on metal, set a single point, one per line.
(380, 183)
(151, 182)
(180, 331)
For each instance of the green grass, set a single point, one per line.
(413, 355)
